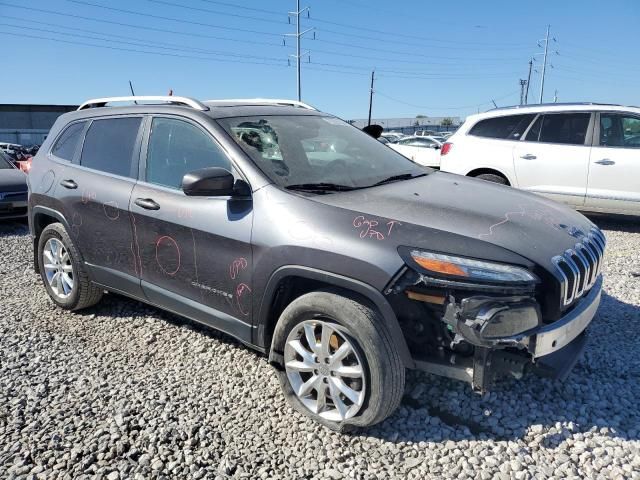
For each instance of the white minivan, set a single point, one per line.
(584, 155)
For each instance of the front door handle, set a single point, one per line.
(147, 203)
(605, 161)
(528, 156)
(70, 184)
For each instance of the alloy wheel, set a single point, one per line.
(325, 370)
(58, 268)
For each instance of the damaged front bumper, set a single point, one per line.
(509, 336)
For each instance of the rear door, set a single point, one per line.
(194, 253)
(614, 167)
(553, 157)
(95, 190)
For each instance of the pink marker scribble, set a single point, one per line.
(536, 215)
(111, 210)
(168, 247)
(390, 224)
(235, 267)
(243, 294)
(367, 227)
(87, 196)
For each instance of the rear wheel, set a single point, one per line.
(493, 177)
(341, 367)
(63, 272)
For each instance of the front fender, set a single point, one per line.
(360, 289)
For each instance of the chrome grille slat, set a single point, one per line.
(579, 268)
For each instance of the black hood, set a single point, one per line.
(523, 223)
(12, 180)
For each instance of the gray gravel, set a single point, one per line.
(126, 391)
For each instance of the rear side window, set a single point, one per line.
(563, 128)
(510, 127)
(67, 143)
(109, 145)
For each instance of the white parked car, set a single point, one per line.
(584, 155)
(422, 150)
(393, 137)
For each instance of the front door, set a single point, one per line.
(95, 192)
(553, 158)
(194, 253)
(614, 168)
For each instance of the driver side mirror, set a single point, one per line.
(208, 182)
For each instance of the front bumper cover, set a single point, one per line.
(550, 350)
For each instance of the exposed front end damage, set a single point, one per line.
(482, 333)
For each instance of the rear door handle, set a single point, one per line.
(69, 184)
(147, 203)
(528, 156)
(605, 161)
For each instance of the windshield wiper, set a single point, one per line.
(395, 178)
(320, 187)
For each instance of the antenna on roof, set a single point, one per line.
(132, 92)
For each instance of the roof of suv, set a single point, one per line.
(552, 107)
(212, 108)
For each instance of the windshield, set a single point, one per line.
(300, 150)
(5, 163)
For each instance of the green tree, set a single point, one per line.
(446, 122)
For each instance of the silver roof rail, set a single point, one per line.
(102, 102)
(264, 101)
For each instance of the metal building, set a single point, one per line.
(29, 124)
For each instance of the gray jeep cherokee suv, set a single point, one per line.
(312, 242)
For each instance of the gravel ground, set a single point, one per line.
(125, 391)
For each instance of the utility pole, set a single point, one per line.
(298, 36)
(526, 93)
(544, 62)
(523, 83)
(371, 96)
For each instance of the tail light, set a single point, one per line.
(446, 148)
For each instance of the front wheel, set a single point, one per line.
(341, 366)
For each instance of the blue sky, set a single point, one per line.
(431, 58)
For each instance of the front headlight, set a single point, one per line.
(471, 269)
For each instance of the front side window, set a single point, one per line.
(109, 145)
(619, 131)
(176, 148)
(313, 149)
(563, 128)
(508, 127)
(68, 142)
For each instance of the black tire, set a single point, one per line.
(493, 177)
(84, 293)
(366, 330)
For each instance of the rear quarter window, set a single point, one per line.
(67, 144)
(508, 127)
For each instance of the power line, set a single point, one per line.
(84, 44)
(160, 17)
(502, 60)
(465, 107)
(142, 43)
(217, 12)
(138, 27)
(242, 7)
